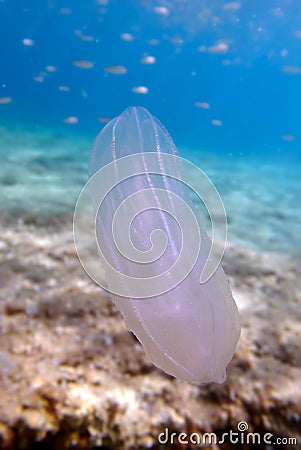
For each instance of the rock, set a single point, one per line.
(72, 376)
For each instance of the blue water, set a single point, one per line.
(241, 58)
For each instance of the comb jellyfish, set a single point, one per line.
(159, 262)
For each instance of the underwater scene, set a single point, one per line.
(150, 246)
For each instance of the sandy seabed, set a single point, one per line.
(72, 376)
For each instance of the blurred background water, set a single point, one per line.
(223, 77)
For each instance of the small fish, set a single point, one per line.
(203, 105)
(232, 6)
(39, 79)
(64, 88)
(153, 42)
(292, 70)
(70, 120)
(288, 137)
(5, 100)
(127, 37)
(216, 122)
(140, 90)
(28, 42)
(298, 34)
(51, 69)
(148, 60)
(116, 70)
(221, 47)
(83, 64)
(65, 11)
(161, 10)
(103, 119)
